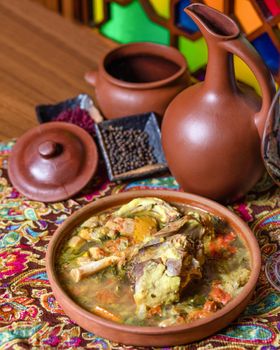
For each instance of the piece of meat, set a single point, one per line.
(159, 272)
(164, 266)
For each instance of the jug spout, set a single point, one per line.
(212, 23)
(216, 29)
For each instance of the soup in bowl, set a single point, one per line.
(153, 267)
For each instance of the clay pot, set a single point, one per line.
(138, 78)
(153, 336)
(212, 131)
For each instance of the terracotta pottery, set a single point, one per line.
(52, 161)
(271, 140)
(138, 78)
(212, 131)
(153, 336)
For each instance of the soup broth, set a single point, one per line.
(217, 262)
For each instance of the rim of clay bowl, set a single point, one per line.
(195, 201)
(167, 52)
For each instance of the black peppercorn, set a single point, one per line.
(127, 149)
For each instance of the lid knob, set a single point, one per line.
(49, 149)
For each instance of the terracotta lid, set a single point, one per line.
(53, 161)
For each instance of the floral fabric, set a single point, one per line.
(30, 317)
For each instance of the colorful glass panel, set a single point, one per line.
(216, 4)
(130, 23)
(268, 51)
(195, 52)
(244, 74)
(162, 7)
(98, 11)
(273, 6)
(182, 20)
(247, 16)
(264, 9)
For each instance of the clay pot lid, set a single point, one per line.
(52, 161)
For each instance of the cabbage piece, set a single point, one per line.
(149, 206)
(155, 286)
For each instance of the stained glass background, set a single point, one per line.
(165, 22)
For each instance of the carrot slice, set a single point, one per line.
(218, 294)
(108, 315)
(221, 244)
(156, 310)
(198, 314)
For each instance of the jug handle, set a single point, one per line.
(91, 77)
(243, 49)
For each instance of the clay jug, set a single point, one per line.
(212, 131)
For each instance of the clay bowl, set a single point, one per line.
(154, 336)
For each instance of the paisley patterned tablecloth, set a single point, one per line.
(30, 317)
